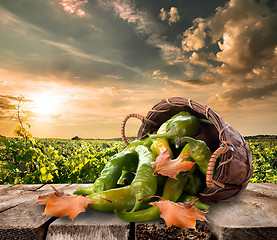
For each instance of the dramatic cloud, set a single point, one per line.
(194, 37)
(8, 105)
(170, 53)
(237, 43)
(73, 6)
(243, 92)
(201, 58)
(5, 103)
(158, 74)
(12, 22)
(172, 16)
(78, 53)
(146, 25)
(127, 11)
(163, 14)
(84, 65)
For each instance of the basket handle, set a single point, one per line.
(134, 115)
(223, 148)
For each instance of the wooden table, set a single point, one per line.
(251, 215)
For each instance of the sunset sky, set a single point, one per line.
(81, 66)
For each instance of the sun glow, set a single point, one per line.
(46, 105)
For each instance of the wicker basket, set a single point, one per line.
(235, 166)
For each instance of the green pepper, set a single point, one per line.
(199, 152)
(127, 159)
(160, 145)
(195, 182)
(180, 125)
(161, 180)
(198, 204)
(130, 165)
(177, 126)
(172, 190)
(121, 198)
(188, 158)
(126, 177)
(110, 174)
(132, 146)
(145, 215)
(144, 183)
(183, 124)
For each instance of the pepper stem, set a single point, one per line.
(162, 135)
(194, 144)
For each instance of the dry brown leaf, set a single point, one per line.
(59, 204)
(171, 168)
(182, 215)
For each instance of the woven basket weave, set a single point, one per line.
(235, 165)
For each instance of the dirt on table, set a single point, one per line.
(153, 232)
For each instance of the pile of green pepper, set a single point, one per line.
(129, 184)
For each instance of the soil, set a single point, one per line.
(153, 232)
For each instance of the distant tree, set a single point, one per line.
(76, 138)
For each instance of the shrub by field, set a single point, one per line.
(264, 158)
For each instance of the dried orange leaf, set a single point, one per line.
(182, 215)
(59, 204)
(171, 168)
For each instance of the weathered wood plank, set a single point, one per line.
(89, 225)
(15, 194)
(251, 215)
(269, 189)
(72, 187)
(12, 196)
(21, 218)
(23, 222)
(13, 190)
(4, 186)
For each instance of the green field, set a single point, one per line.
(54, 160)
(81, 161)
(264, 158)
